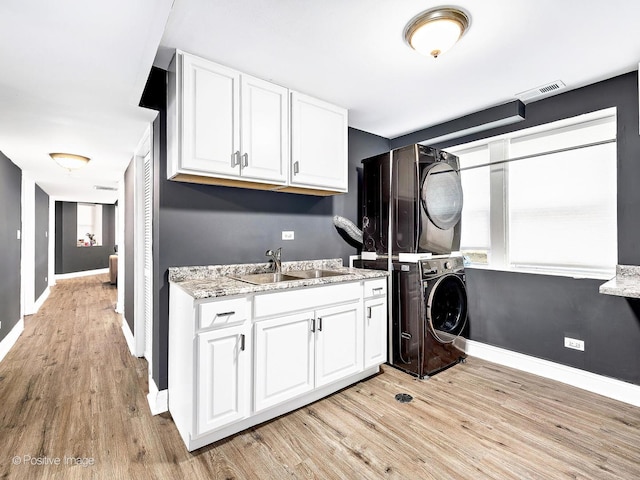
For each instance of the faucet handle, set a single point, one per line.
(269, 253)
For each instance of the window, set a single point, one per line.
(543, 199)
(89, 222)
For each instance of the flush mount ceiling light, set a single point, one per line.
(437, 30)
(69, 160)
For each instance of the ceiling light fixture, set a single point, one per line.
(437, 30)
(69, 160)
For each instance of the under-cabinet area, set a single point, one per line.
(243, 353)
(225, 127)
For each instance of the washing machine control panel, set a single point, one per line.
(438, 266)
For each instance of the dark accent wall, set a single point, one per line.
(531, 314)
(10, 223)
(207, 225)
(129, 254)
(69, 257)
(41, 275)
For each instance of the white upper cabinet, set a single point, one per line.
(210, 117)
(228, 128)
(265, 130)
(319, 146)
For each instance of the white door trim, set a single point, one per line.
(143, 150)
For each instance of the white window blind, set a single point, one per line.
(562, 210)
(554, 192)
(475, 240)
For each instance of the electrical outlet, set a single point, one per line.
(18, 234)
(287, 235)
(0, 325)
(574, 343)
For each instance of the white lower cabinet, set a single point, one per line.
(297, 353)
(376, 320)
(284, 359)
(236, 362)
(224, 377)
(375, 331)
(338, 342)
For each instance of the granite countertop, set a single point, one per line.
(214, 280)
(626, 283)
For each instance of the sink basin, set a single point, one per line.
(261, 278)
(315, 273)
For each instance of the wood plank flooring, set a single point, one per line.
(70, 388)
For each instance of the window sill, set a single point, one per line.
(552, 273)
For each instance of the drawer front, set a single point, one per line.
(308, 298)
(373, 288)
(222, 313)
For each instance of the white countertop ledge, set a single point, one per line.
(626, 283)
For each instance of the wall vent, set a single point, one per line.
(541, 91)
(102, 187)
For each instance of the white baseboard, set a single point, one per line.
(85, 273)
(158, 399)
(40, 301)
(128, 336)
(11, 338)
(605, 386)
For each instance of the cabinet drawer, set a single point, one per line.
(221, 313)
(374, 288)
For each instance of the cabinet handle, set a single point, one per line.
(368, 312)
(378, 289)
(245, 160)
(296, 168)
(319, 324)
(235, 158)
(242, 342)
(225, 314)
(313, 324)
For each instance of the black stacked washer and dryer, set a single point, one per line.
(411, 227)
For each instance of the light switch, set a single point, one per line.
(287, 235)
(18, 235)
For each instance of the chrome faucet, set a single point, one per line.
(277, 259)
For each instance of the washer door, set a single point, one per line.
(441, 195)
(447, 308)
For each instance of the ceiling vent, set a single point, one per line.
(102, 187)
(541, 91)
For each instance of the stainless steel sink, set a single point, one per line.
(262, 278)
(315, 273)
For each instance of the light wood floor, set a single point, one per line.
(69, 387)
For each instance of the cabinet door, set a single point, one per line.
(339, 342)
(319, 153)
(224, 379)
(284, 359)
(210, 117)
(375, 331)
(265, 130)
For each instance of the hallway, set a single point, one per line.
(73, 406)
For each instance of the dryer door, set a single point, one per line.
(441, 195)
(446, 307)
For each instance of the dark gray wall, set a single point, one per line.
(531, 314)
(129, 228)
(41, 275)
(69, 257)
(206, 225)
(10, 223)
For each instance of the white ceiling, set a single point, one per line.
(73, 71)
